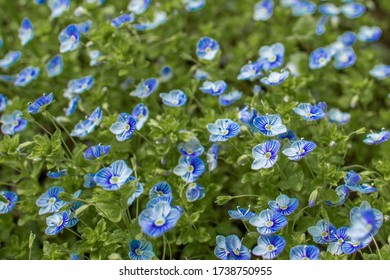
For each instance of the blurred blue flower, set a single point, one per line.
(363, 188)
(54, 66)
(338, 117)
(353, 10)
(40, 103)
(72, 105)
(145, 88)
(69, 38)
(94, 56)
(231, 248)
(289, 134)
(344, 58)
(49, 201)
(323, 232)
(141, 114)
(26, 76)
(375, 138)
(268, 222)
(247, 117)
(369, 34)
(139, 189)
(303, 7)
(352, 178)
(319, 58)
(275, 78)
(89, 181)
(342, 192)
(284, 205)
(175, 98)
(195, 192)
(222, 130)
(299, 149)
(263, 10)
(166, 73)
(138, 6)
(26, 31)
(265, 154)
(11, 198)
(3, 102)
(159, 18)
(214, 88)
(124, 126)
(56, 223)
(305, 252)
(328, 9)
(9, 59)
(154, 201)
(352, 246)
(201, 75)
(58, 7)
(12, 123)
(57, 174)
(335, 247)
(87, 126)
(96, 152)
(309, 112)
(251, 71)
(269, 247)
(271, 57)
(321, 28)
(74, 256)
(229, 98)
(207, 48)
(348, 38)
(84, 27)
(189, 168)
(379, 71)
(241, 213)
(192, 148)
(160, 189)
(113, 177)
(193, 5)
(269, 125)
(141, 250)
(78, 86)
(212, 157)
(122, 19)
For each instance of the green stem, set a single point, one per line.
(377, 248)
(143, 137)
(75, 233)
(169, 246)
(164, 249)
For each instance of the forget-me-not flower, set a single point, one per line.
(26, 31)
(269, 125)
(113, 177)
(175, 98)
(269, 247)
(26, 76)
(11, 199)
(222, 130)
(268, 222)
(189, 168)
(207, 48)
(40, 103)
(265, 154)
(141, 250)
(231, 248)
(299, 149)
(124, 126)
(49, 201)
(284, 205)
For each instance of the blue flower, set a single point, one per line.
(289, 134)
(26, 31)
(74, 257)
(229, 98)
(84, 27)
(222, 130)
(242, 214)
(122, 19)
(141, 114)
(124, 126)
(195, 192)
(247, 117)
(69, 38)
(189, 168)
(207, 48)
(11, 198)
(175, 98)
(348, 38)
(263, 10)
(56, 223)
(49, 201)
(299, 149)
(139, 189)
(268, 222)
(363, 188)
(58, 7)
(94, 56)
(159, 219)
(352, 246)
(9, 59)
(275, 78)
(328, 9)
(193, 5)
(12, 123)
(160, 17)
(352, 178)
(269, 247)
(87, 126)
(342, 192)
(309, 112)
(146, 88)
(78, 86)
(212, 157)
(305, 252)
(113, 177)
(89, 181)
(166, 73)
(265, 154)
(154, 201)
(230, 248)
(322, 232)
(72, 105)
(138, 6)
(160, 189)
(141, 250)
(319, 58)
(303, 7)
(96, 152)
(335, 247)
(321, 28)
(344, 58)
(26, 76)
(40, 103)
(375, 138)
(3, 102)
(269, 125)
(353, 10)
(192, 148)
(379, 71)
(271, 57)
(57, 174)
(284, 205)
(214, 88)
(369, 34)
(54, 66)
(251, 71)
(201, 75)
(338, 117)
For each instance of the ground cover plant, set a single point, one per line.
(194, 129)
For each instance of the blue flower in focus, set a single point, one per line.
(335, 247)
(275, 78)
(207, 48)
(40, 104)
(26, 76)
(11, 198)
(124, 126)
(284, 205)
(58, 7)
(231, 248)
(319, 58)
(26, 31)
(269, 125)
(195, 192)
(189, 168)
(214, 88)
(113, 177)
(3, 102)
(139, 189)
(251, 71)
(89, 181)
(96, 152)
(87, 126)
(375, 138)
(138, 6)
(12, 123)
(54, 66)
(56, 223)
(201, 75)
(309, 112)
(229, 98)
(49, 201)
(344, 58)
(263, 10)
(342, 192)
(353, 10)
(328, 9)
(192, 148)
(122, 19)
(352, 178)
(322, 232)
(269, 247)
(299, 149)
(146, 88)
(338, 117)
(305, 252)
(9, 59)
(222, 130)
(160, 218)
(268, 222)
(72, 105)
(369, 34)
(271, 57)
(160, 189)
(160, 17)
(69, 38)
(141, 114)
(141, 250)
(379, 71)
(241, 214)
(212, 157)
(57, 174)
(265, 154)
(166, 73)
(175, 98)
(78, 86)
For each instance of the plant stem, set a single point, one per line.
(377, 248)
(169, 246)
